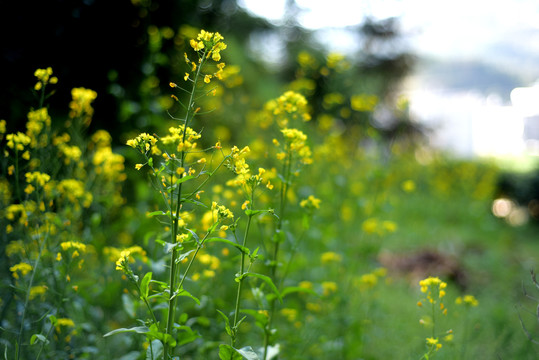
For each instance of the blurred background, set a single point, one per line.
(469, 69)
(425, 137)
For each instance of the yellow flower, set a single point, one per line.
(289, 313)
(370, 226)
(208, 273)
(66, 245)
(15, 247)
(468, 300)
(37, 177)
(310, 203)
(81, 104)
(431, 284)
(65, 322)
(329, 257)
(363, 102)
(368, 281)
(306, 285)
(196, 45)
(44, 77)
(17, 141)
(329, 287)
(408, 186)
(207, 79)
(122, 260)
(22, 268)
(37, 290)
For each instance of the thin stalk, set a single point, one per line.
(174, 218)
(27, 299)
(199, 246)
(282, 206)
(240, 283)
(17, 185)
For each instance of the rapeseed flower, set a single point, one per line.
(17, 141)
(44, 77)
(329, 287)
(80, 104)
(329, 257)
(310, 203)
(468, 300)
(21, 268)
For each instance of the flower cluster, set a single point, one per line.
(81, 104)
(434, 288)
(207, 45)
(44, 77)
(379, 227)
(287, 108)
(220, 212)
(38, 120)
(211, 43)
(143, 143)
(369, 281)
(330, 257)
(183, 138)
(295, 143)
(21, 268)
(311, 203)
(17, 141)
(468, 300)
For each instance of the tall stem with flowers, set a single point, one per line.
(434, 289)
(181, 165)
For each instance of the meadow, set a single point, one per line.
(241, 228)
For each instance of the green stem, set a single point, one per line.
(240, 283)
(27, 298)
(174, 218)
(273, 270)
(17, 185)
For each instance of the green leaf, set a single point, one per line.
(154, 333)
(155, 350)
(155, 213)
(294, 289)
(170, 246)
(198, 203)
(185, 335)
(227, 352)
(194, 235)
(225, 318)
(228, 329)
(261, 320)
(250, 212)
(38, 338)
(243, 249)
(183, 292)
(183, 256)
(137, 329)
(268, 281)
(185, 178)
(247, 353)
(144, 288)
